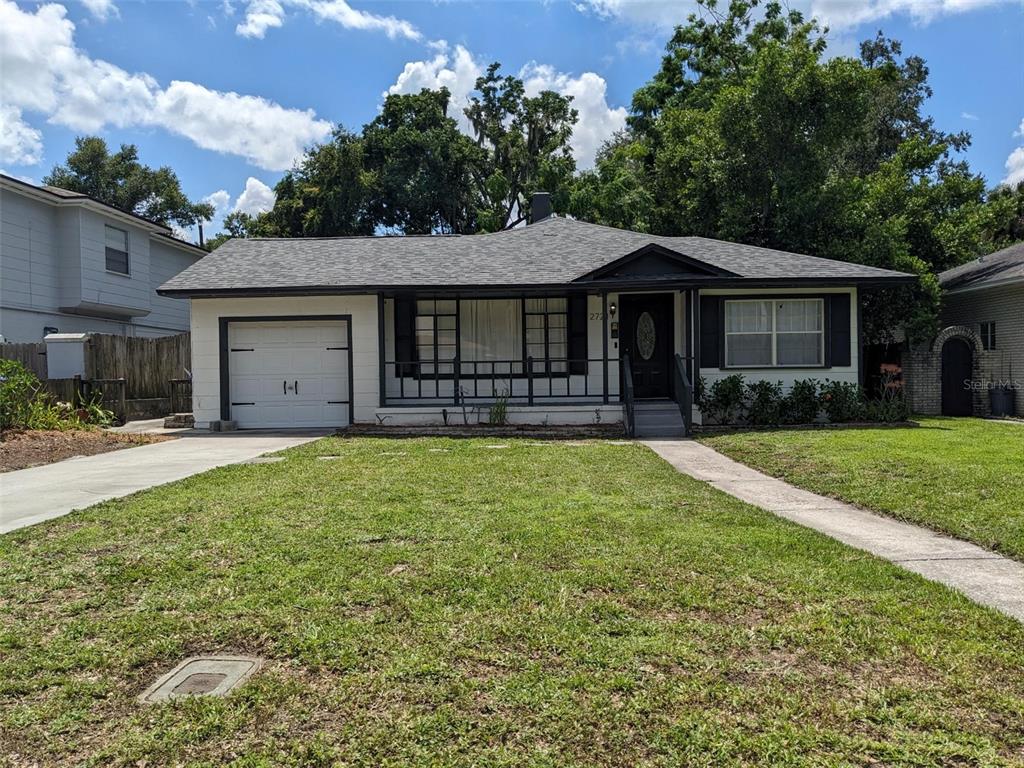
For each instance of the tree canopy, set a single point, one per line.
(412, 171)
(120, 180)
(748, 132)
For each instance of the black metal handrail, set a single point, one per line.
(683, 394)
(628, 409)
(458, 382)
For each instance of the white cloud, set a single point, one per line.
(458, 71)
(968, 116)
(264, 133)
(101, 9)
(842, 14)
(20, 143)
(261, 15)
(221, 202)
(1015, 167)
(45, 72)
(256, 198)
(1015, 162)
(836, 14)
(597, 122)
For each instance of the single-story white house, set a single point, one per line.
(567, 322)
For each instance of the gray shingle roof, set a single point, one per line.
(555, 251)
(999, 268)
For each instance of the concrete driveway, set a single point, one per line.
(30, 496)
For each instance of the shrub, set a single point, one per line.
(890, 405)
(18, 390)
(842, 401)
(24, 404)
(803, 403)
(764, 402)
(723, 400)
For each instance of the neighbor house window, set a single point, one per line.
(117, 250)
(784, 333)
(988, 335)
(547, 334)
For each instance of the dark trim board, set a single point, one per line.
(225, 373)
(542, 289)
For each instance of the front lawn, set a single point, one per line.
(438, 602)
(964, 477)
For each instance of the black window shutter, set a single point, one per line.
(710, 332)
(405, 333)
(838, 347)
(577, 322)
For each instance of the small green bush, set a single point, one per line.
(723, 400)
(764, 403)
(803, 403)
(18, 391)
(842, 401)
(24, 404)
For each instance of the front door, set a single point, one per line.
(647, 337)
(957, 372)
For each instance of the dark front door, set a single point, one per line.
(957, 372)
(647, 337)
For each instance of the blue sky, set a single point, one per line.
(228, 92)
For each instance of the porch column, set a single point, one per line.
(381, 352)
(604, 345)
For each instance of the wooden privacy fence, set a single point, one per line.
(109, 393)
(146, 365)
(32, 356)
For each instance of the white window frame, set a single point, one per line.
(773, 331)
(127, 252)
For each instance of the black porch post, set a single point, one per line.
(689, 333)
(381, 350)
(604, 345)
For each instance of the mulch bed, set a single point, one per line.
(19, 450)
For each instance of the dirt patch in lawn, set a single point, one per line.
(19, 450)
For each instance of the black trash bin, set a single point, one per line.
(1001, 399)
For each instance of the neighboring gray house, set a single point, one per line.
(71, 264)
(981, 345)
(573, 323)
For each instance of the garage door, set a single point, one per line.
(289, 373)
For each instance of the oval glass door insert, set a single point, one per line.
(645, 335)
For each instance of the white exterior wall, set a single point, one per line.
(53, 256)
(206, 314)
(846, 373)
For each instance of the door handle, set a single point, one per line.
(284, 384)
(296, 386)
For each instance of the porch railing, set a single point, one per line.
(684, 394)
(628, 410)
(532, 381)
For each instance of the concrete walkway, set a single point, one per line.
(983, 576)
(29, 496)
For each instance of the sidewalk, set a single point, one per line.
(29, 496)
(981, 575)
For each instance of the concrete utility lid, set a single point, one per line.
(202, 676)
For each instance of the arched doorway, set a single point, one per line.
(957, 372)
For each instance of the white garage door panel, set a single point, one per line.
(289, 373)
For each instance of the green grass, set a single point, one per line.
(532, 606)
(964, 477)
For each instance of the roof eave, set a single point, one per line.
(572, 287)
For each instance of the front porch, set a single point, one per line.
(536, 358)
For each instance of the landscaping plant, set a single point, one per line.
(764, 403)
(24, 404)
(803, 403)
(842, 401)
